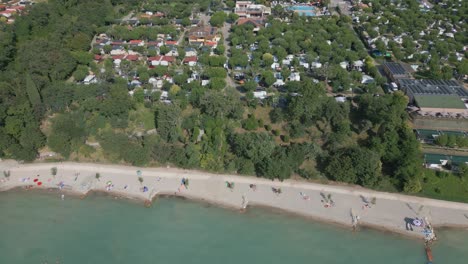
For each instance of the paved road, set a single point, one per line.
(226, 31)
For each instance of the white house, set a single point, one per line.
(316, 65)
(294, 76)
(90, 79)
(260, 94)
(366, 79)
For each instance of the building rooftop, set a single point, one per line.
(438, 158)
(439, 101)
(396, 68)
(433, 87)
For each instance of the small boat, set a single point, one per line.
(429, 255)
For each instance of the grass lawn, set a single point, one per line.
(450, 188)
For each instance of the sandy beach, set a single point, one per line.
(329, 203)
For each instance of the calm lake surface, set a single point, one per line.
(41, 228)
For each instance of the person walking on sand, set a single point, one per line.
(63, 197)
(244, 202)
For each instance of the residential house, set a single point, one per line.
(247, 9)
(160, 60)
(200, 35)
(190, 52)
(366, 79)
(260, 95)
(190, 61)
(294, 76)
(357, 65)
(90, 79)
(255, 22)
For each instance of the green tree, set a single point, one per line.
(463, 170)
(442, 140)
(268, 78)
(168, 122)
(33, 93)
(80, 73)
(218, 19)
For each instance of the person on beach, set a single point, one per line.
(244, 202)
(63, 197)
(230, 185)
(276, 190)
(304, 196)
(253, 187)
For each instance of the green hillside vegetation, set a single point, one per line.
(365, 141)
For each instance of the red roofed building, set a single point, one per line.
(15, 8)
(97, 57)
(118, 57)
(171, 42)
(132, 57)
(135, 42)
(160, 60)
(211, 43)
(191, 61)
(2, 7)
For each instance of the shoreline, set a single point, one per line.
(388, 214)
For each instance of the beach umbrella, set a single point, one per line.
(145, 189)
(109, 183)
(417, 222)
(35, 180)
(39, 183)
(139, 172)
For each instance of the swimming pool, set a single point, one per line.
(303, 10)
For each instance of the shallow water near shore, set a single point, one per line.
(41, 228)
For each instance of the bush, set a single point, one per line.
(267, 127)
(260, 122)
(250, 123)
(285, 138)
(442, 174)
(275, 132)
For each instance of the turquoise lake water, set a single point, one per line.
(41, 228)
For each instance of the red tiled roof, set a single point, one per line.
(132, 57)
(152, 43)
(135, 41)
(211, 43)
(190, 59)
(171, 42)
(161, 58)
(256, 22)
(97, 57)
(15, 7)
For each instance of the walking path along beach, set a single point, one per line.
(342, 205)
